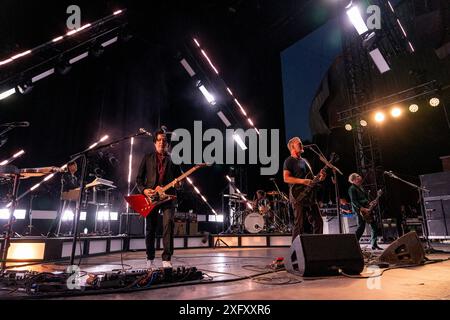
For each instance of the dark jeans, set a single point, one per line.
(151, 223)
(312, 214)
(362, 226)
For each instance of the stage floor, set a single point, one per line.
(430, 281)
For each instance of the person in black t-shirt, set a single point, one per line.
(297, 170)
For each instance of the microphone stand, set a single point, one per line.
(420, 190)
(283, 196)
(336, 186)
(84, 155)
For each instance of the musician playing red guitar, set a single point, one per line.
(156, 170)
(360, 205)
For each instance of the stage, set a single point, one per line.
(245, 274)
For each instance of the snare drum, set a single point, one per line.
(254, 222)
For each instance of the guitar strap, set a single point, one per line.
(308, 165)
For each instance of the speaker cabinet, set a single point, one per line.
(404, 250)
(326, 254)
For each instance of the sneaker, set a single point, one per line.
(167, 264)
(151, 264)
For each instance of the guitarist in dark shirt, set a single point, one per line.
(297, 171)
(360, 202)
(156, 170)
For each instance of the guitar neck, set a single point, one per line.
(181, 177)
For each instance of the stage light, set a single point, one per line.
(26, 251)
(25, 87)
(79, 57)
(356, 19)
(187, 67)
(242, 109)
(209, 97)
(63, 67)
(67, 215)
(103, 215)
(96, 50)
(7, 93)
(401, 27)
(209, 61)
(43, 75)
(348, 127)
(379, 117)
(434, 102)
(414, 108)
(390, 5)
(19, 214)
(57, 39)
(224, 119)
(396, 112)
(239, 141)
(379, 60)
(363, 123)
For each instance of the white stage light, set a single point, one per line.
(379, 60)
(209, 97)
(348, 127)
(434, 102)
(239, 141)
(356, 19)
(414, 108)
(7, 93)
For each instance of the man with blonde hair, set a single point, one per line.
(297, 171)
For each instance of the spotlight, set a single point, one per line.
(363, 123)
(356, 19)
(396, 112)
(25, 87)
(434, 102)
(97, 50)
(63, 67)
(414, 108)
(348, 127)
(379, 117)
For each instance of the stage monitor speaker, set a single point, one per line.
(325, 254)
(405, 250)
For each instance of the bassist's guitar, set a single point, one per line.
(300, 192)
(144, 205)
(367, 213)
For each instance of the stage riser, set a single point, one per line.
(29, 249)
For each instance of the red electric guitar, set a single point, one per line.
(144, 205)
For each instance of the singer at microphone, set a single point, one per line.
(155, 171)
(298, 174)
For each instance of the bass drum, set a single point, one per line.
(254, 222)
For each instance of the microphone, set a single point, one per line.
(142, 130)
(16, 124)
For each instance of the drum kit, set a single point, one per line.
(269, 215)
